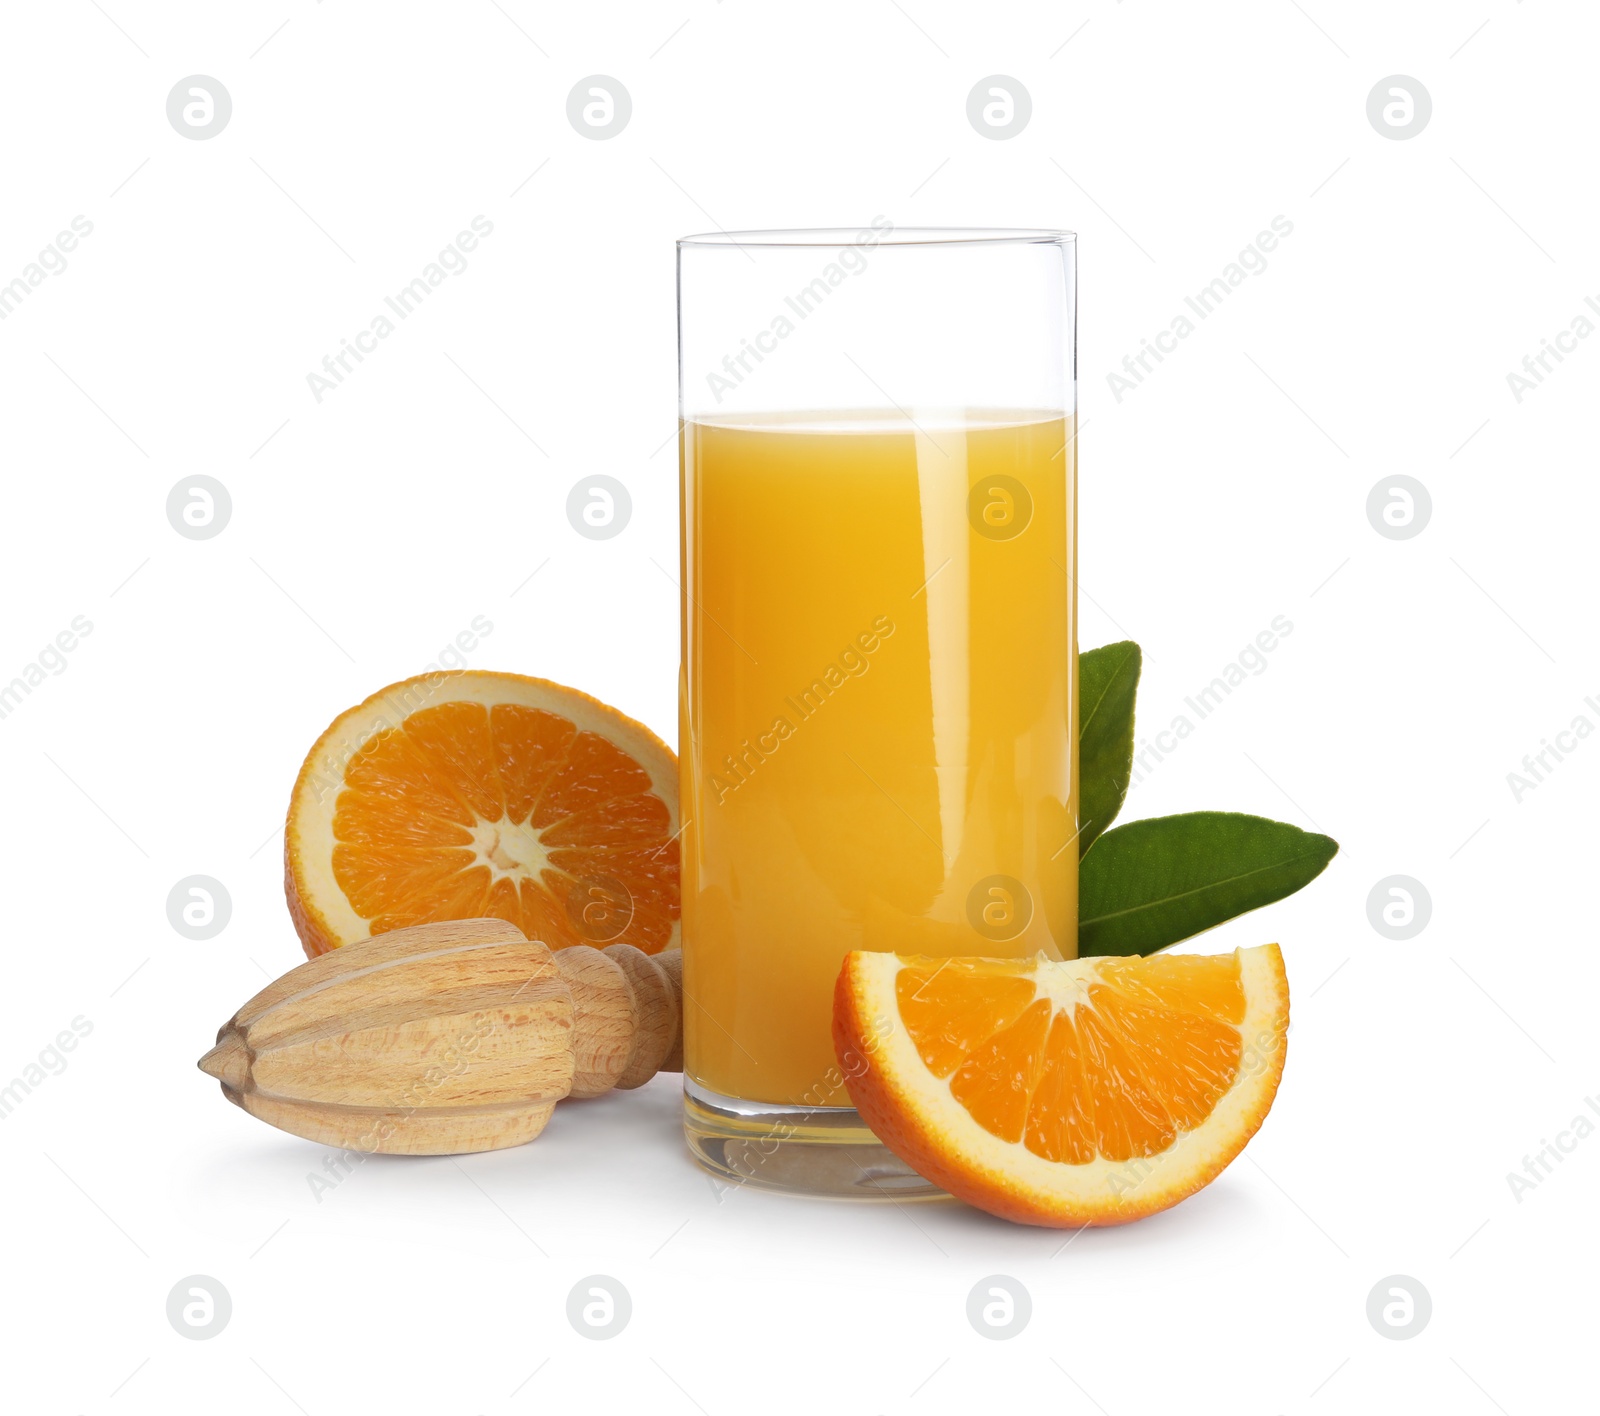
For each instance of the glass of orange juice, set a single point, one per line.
(878, 705)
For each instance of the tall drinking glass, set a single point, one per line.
(878, 722)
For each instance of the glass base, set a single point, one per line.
(825, 1151)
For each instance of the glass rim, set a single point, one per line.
(825, 236)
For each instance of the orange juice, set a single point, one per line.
(879, 726)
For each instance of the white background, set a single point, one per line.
(369, 529)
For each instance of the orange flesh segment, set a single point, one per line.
(417, 797)
(1147, 1052)
(949, 1008)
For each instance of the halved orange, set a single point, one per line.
(1084, 1092)
(470, 794)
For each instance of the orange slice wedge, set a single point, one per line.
(470, 795)
(1085, 1092)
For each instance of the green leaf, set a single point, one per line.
(1108, 681)
(1150, 883)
